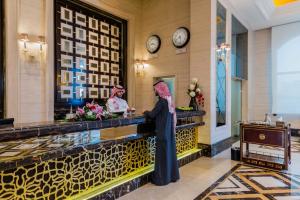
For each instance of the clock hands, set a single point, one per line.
(179, 38)
(153, 44)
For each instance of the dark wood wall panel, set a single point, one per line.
(90, 54)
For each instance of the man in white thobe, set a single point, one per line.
(115, 103)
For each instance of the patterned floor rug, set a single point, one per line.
(252, 183)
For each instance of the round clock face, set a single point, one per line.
(153, 44)
(181, 37)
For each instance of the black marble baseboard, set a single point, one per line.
(134, 184)
(123, 189)
(210, 150)
(190, 158)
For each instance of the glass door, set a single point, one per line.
(239, 65)
(236, 106)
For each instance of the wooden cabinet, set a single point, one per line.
(270, 136)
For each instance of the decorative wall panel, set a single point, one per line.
(90, 54)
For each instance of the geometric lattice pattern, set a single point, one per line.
(185, 140)
(254, 183)
(90, 53)
(64, 177)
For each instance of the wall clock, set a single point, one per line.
(181, 37)
(153, 44)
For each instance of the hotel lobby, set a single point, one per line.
(149, 99)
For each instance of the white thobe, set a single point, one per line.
(116, 104)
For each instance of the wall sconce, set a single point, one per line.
(140, 67)
(24, 38)
(222, 51)
(32, 46)
(41, 41)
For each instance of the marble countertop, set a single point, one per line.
(22, 152)
(22, 131)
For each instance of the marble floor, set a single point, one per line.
(198, 176)
(247, 182)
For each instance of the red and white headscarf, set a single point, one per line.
(163, 91)
(116, 89)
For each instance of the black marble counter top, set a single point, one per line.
(22, 131)
(15, 153)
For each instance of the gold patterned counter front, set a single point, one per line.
(87, 171)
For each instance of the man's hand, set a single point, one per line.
(130, 109)
(145, 112)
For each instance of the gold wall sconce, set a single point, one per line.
(23, 37)
(223, 47)
(140, 66)
(31, 46)
(26, 38)
(41, 41)
(222, 50)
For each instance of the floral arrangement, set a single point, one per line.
(91, 111)
(195, 92)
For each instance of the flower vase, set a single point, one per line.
(193, 104)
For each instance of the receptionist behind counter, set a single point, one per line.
(115, 103)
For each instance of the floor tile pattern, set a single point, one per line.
(247, 182)
(204, 172)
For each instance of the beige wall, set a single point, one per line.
(261, 86)
(29, 85)
(200, 59)
(162, 18)
(261, 74)
(30, 82)
(25, 85)
(30, 96)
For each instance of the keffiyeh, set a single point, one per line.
(116, 89)
(162, 89)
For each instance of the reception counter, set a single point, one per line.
(86, 160)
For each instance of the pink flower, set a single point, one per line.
(98, 116)
(80, 111)
(97, 110)
(88, 105)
